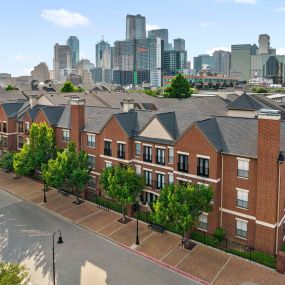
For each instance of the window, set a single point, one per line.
(203, 167)
(243, 168)
(148, 177)
(4, 127)
(92, 161)
(160, 180)
(170, 178)
(91, 140)
(160, 156)
(147, 154)
(27, 128)
(20, 142)
(170, 155)
(92, 182)
(121, 150)
(241, 229)
(108, 164)
(66, 135)
(20, 127)
(27, 140)
(242, 199)
(138, 149)
(183, 163)
(108, 148)
(203, 222)
(4, 142)
(138, 170)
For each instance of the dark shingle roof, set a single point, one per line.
(53, 114)
(11, 109)
(244, 102)
(168, 120)
(128, 122)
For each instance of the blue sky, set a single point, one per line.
(30, 28)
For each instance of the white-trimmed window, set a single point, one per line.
(92, 182)
(108, 164)
(160, 180)
(243, 168)
(65, 135)
(92, 161)
(148, 177)
(91, 140)
(241, 228)
(170, 155)
(138, 169)
(138, 149)
(170, 178)
(27, 126)
(242, 198)
(203, 222)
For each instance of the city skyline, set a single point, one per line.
(213, 28)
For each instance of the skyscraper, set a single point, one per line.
(222, 62)
(40, 72)
(73, 44)
(264, 44)
(202, 59)
(160, 33)
(103, 54)
(62, 60)
(174, 62)
(135, 27)
(179, 44)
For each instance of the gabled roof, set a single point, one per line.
(128, 122)
(53, 114)
(11, 109)
(169, 122)
(244, 102)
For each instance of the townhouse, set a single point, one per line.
(236, 148)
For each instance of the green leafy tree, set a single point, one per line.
(40, 149)
(179, 206)
(179, 88)
(122, 184)
(69, 87)
(13, 274)
(7, 161)
(9, 88)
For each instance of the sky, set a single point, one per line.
(30, 28)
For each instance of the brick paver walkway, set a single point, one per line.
(208, 264)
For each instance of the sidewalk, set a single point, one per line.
(205, 263)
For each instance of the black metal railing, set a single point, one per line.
(160, 160)
(203, 172)
(108, 151)
(147, 157)
(183, 167)
(121, 154)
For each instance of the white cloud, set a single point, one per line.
(64, 18)
(24, 58)
(211, 51)
(280, 51)
(150, 27)
(245, 1)
(280, 9)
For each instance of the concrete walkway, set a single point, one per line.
(208, 265)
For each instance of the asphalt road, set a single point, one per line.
(83, 259)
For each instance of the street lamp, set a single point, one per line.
(60, 241)
(137, 209)
(45, 197)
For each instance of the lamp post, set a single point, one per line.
(60, 241)
(137, 208)
(45, 196)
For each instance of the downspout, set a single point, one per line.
(222, 192)
(278, 207)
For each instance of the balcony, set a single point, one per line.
(154, 184)
(121, 154)
(147, 157)
(108, 151)
(203, 172)
(65, 139)
(160, 160)
(182, 167)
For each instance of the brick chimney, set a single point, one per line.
(77, 120)
(268, 150)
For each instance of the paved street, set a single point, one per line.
(84, 258)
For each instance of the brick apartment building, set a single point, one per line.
(235, 147)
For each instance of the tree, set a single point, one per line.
(13, 274)
(7, 161)
(179, 206)
(179, 88)
(40, 149)
(9, 88)
(69, 87)
(69, 169)
(122, 184)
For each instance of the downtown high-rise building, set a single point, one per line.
(138, 61)
(40, 72)
(103, 54)
(73, 44)
(179, 44)
(160, 33)
(61, 62)
(174, 62)
(203, 60)
(222, 62)
(135, 27)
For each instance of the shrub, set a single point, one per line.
(13, 274)
(283, 247)
(9, 88)
(7, 161)
(220, 234)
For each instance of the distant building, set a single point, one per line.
(138, 61)
(5, 79)
(103, 54)
(203, 59)
(84, 68)
(179, 44)
(73, 44)
(264, 44)
(40, 72)
(222, 62)
(174, 62)
(160, 33)
(135, 27)
(62, 60)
